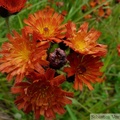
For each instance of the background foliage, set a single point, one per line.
(105, 98)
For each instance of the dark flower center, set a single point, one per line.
(81, 69)
(71, 79)
(46, 29)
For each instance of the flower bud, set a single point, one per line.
(57, 58)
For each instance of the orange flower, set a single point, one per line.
(46, 25)
(118, 49)
(42, 95)
(88, 16)
(102, 12)
(60, 4)
(84, 8)
(93, 3)
(21, 54)
(86, 70)
(107, 13)
(84, 42)
(8, 7)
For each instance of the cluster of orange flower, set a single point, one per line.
(30, 59)
(104, 11)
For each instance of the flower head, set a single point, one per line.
(8, 7)
(84, 41)
(86, 70)
(42, 94)
(46, 25)
(21, 54)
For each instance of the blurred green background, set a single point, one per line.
(105, 98)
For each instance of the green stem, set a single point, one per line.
(104, 109)
(110, 106)
(90, 11)
(20, 22)
(75, 102)
(107, 61)
(7, 23)
(71, 113)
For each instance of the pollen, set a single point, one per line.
(47, 31)
(81, 69)
(79, 43)
(24, 54)
(22, 51)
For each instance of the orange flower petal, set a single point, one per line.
(86, 70)
(42, 97)
(12, 6)
(46, 25)
(84, 41)
(20, 55)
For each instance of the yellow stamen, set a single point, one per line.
(79, 43)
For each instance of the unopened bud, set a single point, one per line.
(57, 58)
